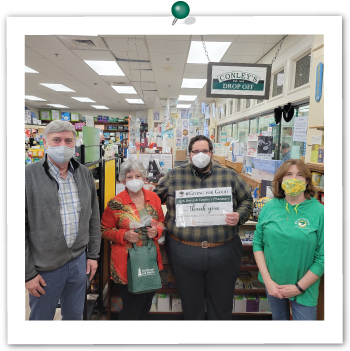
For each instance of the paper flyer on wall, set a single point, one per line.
(203, 207)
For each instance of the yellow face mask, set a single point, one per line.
(293, 187)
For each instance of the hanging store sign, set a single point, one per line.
(238, 80)
(319, 79)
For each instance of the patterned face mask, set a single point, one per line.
(293, 187)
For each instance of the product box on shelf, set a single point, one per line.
(264, 305)
(252, 303)
(269, 166)
(65, 116)
(45, 115)
(75, 117)
(176, 305)
(163, 303)
(154, 303)
(27, 116)
(258, 174)
(316, 178)
(55, 115)
(240, 303)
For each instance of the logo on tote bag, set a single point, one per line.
(145, 272)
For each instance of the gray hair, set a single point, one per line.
(131, 164)
(58, 127)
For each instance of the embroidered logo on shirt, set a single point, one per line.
(302, 223)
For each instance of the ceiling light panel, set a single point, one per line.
(57, 87)
(33, 98)
(100, 107)
(183, 106)
(124, 89)
(105, 68)
(134, 101)
(193, 83)
(216, 51)
(83, 99)
(29, 70)
(57, 105)
(187, 97)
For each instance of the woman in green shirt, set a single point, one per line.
(289, 244)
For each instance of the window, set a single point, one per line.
(243, 131)
(296, 147)
(231, 108)
(278, 80)
(302, 71)
(247, 103)
(254, 126)
(238, 105)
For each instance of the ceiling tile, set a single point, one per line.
(36, 63)
(44, 42)
(224, 38)
(50, 54)
(168, 47)
(130, 55)
(168, 37)
(241, 59)
(195, 75)
(127, 45)
(31, 54)
(166, 67)
(196, 68)
(94, 55)
(168, 59)
(245, 49)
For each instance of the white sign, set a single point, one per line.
(317, 139)
(203, 207)
(89, 121)
(300, 129)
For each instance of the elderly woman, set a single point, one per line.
(288, 244)
(135, 207)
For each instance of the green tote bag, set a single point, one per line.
(143, 272)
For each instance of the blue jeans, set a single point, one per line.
(66, 284)
(281, 311)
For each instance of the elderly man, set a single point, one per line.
(62, 225)
(285, 148)
(205, 260)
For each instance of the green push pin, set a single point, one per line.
(180, 10)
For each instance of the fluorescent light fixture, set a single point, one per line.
(100, 107)
(58, 105)
(33, 98)
(105, 68)
(29, 70)
(124, 90)
(57, 87)
(193, 83)
(83, 99)
(134, 101)
(183, 106)
(187, 97)
(215, 51)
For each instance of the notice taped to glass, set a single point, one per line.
(203, 207)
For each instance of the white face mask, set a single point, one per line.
(201, 160)
(61, 154)
(135, 185)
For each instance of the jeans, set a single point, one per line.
(66, 284)
(281, 311)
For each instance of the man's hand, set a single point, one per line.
(91, 267)
(35, 285)
(232, 218)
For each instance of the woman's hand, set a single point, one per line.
(152, 232)
(288, 290)
(131, 236)
(273, 289)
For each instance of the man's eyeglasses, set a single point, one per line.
(196, 152)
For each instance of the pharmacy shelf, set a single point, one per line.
(317, 127)
(34, 126)
(316, 167)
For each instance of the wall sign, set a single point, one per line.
(319, 79)
(238, 80)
